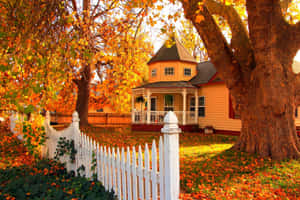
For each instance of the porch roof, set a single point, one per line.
(168, 84)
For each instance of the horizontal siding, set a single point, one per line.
(217, 108)
(178, 71)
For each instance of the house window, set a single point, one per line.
(100, 110)
(201, 106)
(153, 72)
(169, 102)
(169, 71)
(187, 71)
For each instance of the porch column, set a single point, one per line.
(184, 107)
(148, 106)
(196, 107)
(132, 109)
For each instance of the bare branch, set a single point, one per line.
(139, 24)
(95, 8)
(75, 9)
(111, 6)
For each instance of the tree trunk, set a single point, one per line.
(257, 69)
(268, 114)
(83, 96)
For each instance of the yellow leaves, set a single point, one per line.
(199, 18)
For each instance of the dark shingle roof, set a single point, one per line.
(205, 71)
(168, 84)
(174, 53)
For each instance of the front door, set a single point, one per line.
(153, 104)
(153, 109)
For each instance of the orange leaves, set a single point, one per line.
(199, 18)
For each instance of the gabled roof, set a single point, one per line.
(205, 72)
(168, 84)
(176, 52)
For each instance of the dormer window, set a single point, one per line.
(187, 71)
(153, 72)
(169, 71)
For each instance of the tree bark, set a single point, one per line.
(265, 90)
(268, 117)
(83, 95)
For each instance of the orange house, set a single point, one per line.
(196, 94)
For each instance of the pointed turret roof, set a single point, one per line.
(176, 52)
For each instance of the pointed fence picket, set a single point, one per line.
(129, 175)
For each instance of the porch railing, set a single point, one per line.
(157, 117)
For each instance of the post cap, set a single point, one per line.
(170, 124)
(75, 117)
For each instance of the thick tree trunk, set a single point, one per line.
(267, 133)
(83, 96)
(268, 113)
(257, 69)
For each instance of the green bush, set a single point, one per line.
(48, 180)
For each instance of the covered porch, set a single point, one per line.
(151, 104)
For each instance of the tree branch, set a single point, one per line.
(75, 9)
(265, 19)
(215, 43)
(240, 41)
(104, 11)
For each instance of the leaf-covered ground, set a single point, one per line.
(210, 170)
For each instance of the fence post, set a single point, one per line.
(75, 120)
(171, 151)
(76, 138)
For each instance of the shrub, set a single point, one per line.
(48, 180)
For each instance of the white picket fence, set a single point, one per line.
(132, 177)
